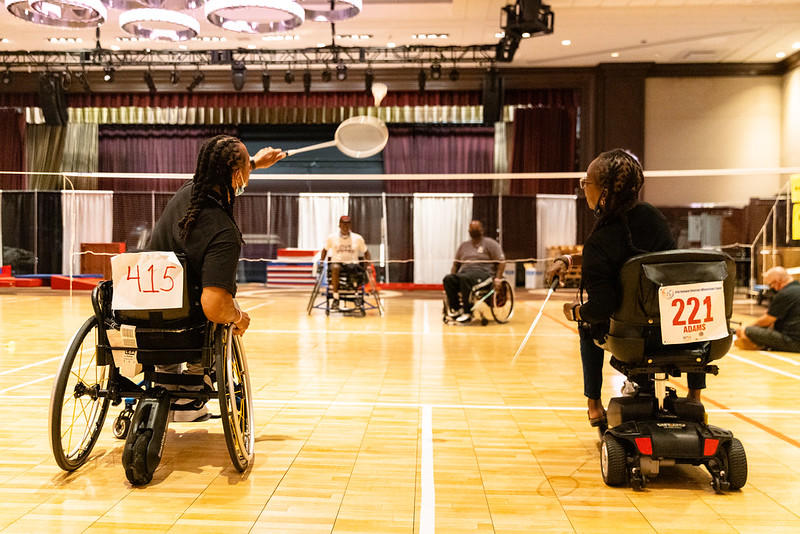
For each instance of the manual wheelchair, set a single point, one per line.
(91, 377)
(487, 303)
(650, 430)
(358, 292)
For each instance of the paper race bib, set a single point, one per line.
(147, 281)
(692, 312)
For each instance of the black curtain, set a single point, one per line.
(400, 238)
(23, 249)
(519, 227)
(366, 212)
(484, 209)
(284, 216)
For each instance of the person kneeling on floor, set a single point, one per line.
(779, 328)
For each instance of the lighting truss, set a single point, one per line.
(462, 56)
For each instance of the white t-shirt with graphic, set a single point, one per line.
(345, 249)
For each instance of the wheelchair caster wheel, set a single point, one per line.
(137, 471)
(638, 481)
(122, 424)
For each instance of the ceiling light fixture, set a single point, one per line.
(159, 24)
(422, 78)
(337, 10)
(108, 74)
(307, 81)
(7, 76)
(795, 46)
(84, 82)
(454, 75)
(151, 84)
(265, 80)
(614, 54)
(255, 16)
(369, 78)
(436, 70)
(341, 71)
(174, 76)
(780, 55)
(326, 74)
(60, 13)
(566, 42)
(288, 76)
(238, 75)
(197, 79)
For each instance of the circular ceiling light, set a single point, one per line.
(60, 13)
(338, 10)
(255, 16)
(175, 5)
(159, 24)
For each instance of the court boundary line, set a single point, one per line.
(427, 503)
(778, 357)
(28, 366)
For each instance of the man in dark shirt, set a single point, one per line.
(779, 328)
(198, 222)
(476, 260)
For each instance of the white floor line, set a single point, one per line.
(427, 508)
(762, 366)
(12, 388)
(9, 371)
(450, 331)
(779, 357)
(248, 310)
(426, 325)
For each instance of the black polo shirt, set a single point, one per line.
(213, 246)
(785, 306)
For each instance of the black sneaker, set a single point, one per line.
(335, 304)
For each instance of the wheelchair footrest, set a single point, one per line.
(145, 441)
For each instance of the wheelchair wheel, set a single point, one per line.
(235, 399)
(737, 464)
(137, 471)
(503, 303)
(77, 411)
(613, 461)
(122, 424)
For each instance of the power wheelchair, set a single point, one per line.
(358, 292)
(649, 430)
(92, 376)
(486, 302)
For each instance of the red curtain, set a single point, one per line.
(439, 150)
(12, 149)
(19, 100)
(544, 141)
(150, 149)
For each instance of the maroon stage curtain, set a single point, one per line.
(439, 150)
(277, 100)
(12, 149)
(150, 149)
(544, 141)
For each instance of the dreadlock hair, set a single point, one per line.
(216, 161)
(621, 178)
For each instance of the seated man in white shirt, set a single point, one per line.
(346, 249)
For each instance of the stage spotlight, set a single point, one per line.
(174, 76)
(84, 82)
(108, 74)
(196, 80)
(369, 78)
(454, 75)
(341, 71)
(7, 76)
(288, 76)
(307, 81)
(238, 75)
(265, 81)
(148, 79)
(66, 80)
(422, 78)
(436, 70)
(326, 74)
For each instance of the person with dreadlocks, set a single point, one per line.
(624, 227)
(198, 222)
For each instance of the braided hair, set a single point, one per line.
(621, 177)
(218, 158)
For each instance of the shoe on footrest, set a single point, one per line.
(189, 412)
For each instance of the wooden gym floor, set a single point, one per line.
(393, 424)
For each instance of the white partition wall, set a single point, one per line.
(87, 217)
(440, 224)
(319, 217)
(555, 222)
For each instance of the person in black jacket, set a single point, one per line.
(624, 228)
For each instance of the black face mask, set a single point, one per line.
(475, 234)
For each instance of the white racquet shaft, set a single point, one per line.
(536, 319)
(294, 151)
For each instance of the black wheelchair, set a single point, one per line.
(647, 431)
(91, 377)
(486, 302)
(358, 292)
